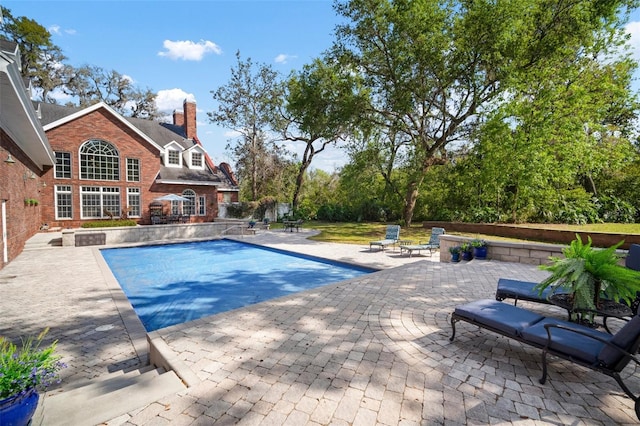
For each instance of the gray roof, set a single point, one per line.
(162, 134)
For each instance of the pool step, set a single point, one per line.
(106, 399)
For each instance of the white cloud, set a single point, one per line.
(633, 29)
(171, 99)
(188, 50)
(55, 29)
(283, 58)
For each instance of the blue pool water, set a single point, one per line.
(175, 283)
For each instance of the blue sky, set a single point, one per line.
(185, 49)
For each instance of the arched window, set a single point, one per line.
(99, 160)
(189, 207)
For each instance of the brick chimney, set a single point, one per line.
(178, 118)
(190, 128)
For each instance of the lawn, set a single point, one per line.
(362, 233)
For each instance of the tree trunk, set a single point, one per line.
(410, 203)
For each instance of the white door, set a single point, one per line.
(5, 253)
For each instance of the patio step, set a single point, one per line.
(107, 398)
(44, 240)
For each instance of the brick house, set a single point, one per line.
(110, 165)
(25, 156)
(63, 166)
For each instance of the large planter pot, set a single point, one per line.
(467, 255)
(18, 410)
(480, 252)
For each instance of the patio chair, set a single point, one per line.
(391, 238)
(431, 245)
(593, 349)
(525, 290)
(632, 261)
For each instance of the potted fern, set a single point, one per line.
(589, 277)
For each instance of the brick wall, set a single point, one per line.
(102, 125)
(18, 181)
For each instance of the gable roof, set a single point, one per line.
(79, 112)
(19, 119)
(156, 133)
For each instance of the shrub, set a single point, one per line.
(109, 223)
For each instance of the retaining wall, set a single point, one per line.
(148, 233)
(529, 253)
(556, 236)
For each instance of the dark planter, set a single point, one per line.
(18, 410)
(480, 252)
(467, 255)
(455, 257)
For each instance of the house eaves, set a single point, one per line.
(18, 118)
(113, 112)
(188, 182)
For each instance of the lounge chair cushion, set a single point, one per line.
(521, 290)
(567, 342)
(504, 317)
(626, 338)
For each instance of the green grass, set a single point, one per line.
(363, 233)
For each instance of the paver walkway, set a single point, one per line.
(372, 350)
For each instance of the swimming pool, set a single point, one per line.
(174, 283)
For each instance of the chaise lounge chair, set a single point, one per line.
(391, 238)
(596, 350)
(524, 290)
(433, 244)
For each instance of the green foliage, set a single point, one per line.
(616, 210)
(109, 223)
(27, 366)
(478, 243)
(241, 210)
(455, 249)
(589, 274)
(248, 104)
(466, 247)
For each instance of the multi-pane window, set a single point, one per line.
(133, 202)
(64, 208)
(133, 170)
(173, 157)
(189, 207)
(99, 160)
(175, 207)
(99, 202)
(63, 165)
(202, 206)
(196, 159)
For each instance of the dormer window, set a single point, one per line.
(196, 159)
(173, 157)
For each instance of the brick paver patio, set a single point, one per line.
(372, 350)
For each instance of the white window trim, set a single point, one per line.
(175, 147)
(55, 201)
(138, 192)
(193, 166)
(101, 192)
(126, 164)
